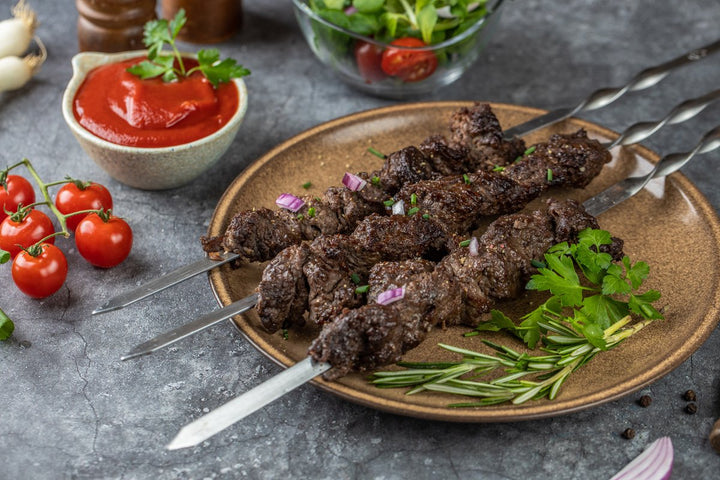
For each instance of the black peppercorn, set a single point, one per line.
(690, 396)
(691, 408)
(645, 401)
(628, 433)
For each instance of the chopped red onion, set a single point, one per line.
(655, 463)
(353, 182)
(350, 10)
(289, 202)
(389, 296)
(474, 246)
(398, 208)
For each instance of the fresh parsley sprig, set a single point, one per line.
(582, 317)
(170, 66)
(6, 325)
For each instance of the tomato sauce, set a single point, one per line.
(123, 109)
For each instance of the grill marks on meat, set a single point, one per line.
(573, 159)
(259, 235)
(459, 288)
(329, 262)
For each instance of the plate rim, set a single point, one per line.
(528, 411)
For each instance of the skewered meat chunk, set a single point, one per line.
(259, 235)
(570, 160)
(388, 275)
(455, 206)
(477, 129)
(327, 265)
(460, 288)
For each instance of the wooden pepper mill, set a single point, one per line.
(715, 436)
(208, 21)
(113, 25)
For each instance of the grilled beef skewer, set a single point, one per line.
(321, 277)
(476, 143)
(460, 288)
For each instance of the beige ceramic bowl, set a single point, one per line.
(148, 168)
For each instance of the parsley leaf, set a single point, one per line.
(560, 278)
(170, 67)
(6, 326)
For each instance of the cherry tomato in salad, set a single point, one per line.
(368, 58)
(25, 232)
(103, 240)
(19, 191)
(78, 196)
(408, 65)
(40, 272)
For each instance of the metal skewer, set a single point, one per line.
(307, 369)
(605, 96)
(635, 133)
(600, 98)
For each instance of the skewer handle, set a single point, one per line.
(605, 96)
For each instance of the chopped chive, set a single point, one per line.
(362, 289)
(498, 168)
(537, 263)
(307, 185)
(311, 212)
(529, 151)
(376, 153)
(284, 333)
(413, 199)
(413, 211)
(318, 199)
(465, 243)
(389, 203)
(466, 178)
(426, 216)
(549, 175)
(375, 180)
(518, 159)
(355, 278)
(300, 216)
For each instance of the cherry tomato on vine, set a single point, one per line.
(78, 196)
(368, 57)
(408, 65)
(31, 227)
(103, 240)
(41, 271)
(19, 191)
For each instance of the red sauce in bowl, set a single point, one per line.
(123, 109)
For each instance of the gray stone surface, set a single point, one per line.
(71, 409)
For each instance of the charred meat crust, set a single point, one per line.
(457, 290)
(259, 235)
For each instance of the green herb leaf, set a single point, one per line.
(4, 256)
(177, 23)
(362, 289)
(6, 326)
(147, 69)
(560, 278)
(219, 71)
(427, 18)
(368, 6)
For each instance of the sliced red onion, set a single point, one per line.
(655, 463)
(389, 296)
(398, 208)
(350, 10)
(353, 182)
(474, 246)
(289, 202)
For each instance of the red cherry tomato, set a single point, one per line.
(28, 231)
(368, 57)
(19, 191)
(408, 65)
(103, 243)
(40, 275)
(71, 198)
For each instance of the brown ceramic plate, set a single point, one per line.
(670, 225)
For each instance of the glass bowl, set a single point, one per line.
(349, 55)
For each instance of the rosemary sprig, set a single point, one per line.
(527, 377)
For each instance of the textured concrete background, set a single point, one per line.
(70, 409)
